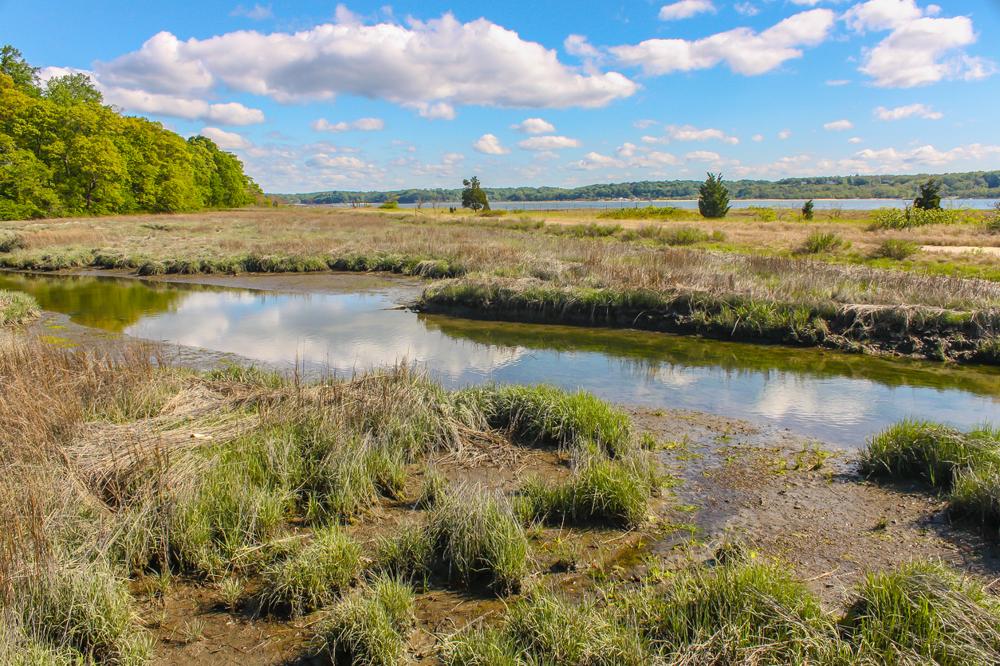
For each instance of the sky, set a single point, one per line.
(372, 96)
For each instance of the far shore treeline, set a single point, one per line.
(971, 185)
(63, 152)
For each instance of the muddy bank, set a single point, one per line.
(900, 331)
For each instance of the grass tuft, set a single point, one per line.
(315, 576)
(370, 627)
(17, 308)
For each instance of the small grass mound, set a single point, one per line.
(316, 575)
(924, 613)
(370, 627)
(609, 492)
(16, 308)
(894, 248)
(546, 415)
(819, 242)
(645, 213)
(741, 611)
(929, 452)
(10, 241)
(472, 538)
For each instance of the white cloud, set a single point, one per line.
(758, 138)
(578, 45)
(908, 111)
(490, 145)
(691, 133)
(919, 49)
(534, 126)
(553, 142)
(746, 8)
(785, 134)
(433, 110)
(422, 65)
(257, 13)
(159, 104)
(855, 140)
(836, 83)
(743, 50)
(593, 161)
(359, 125)
(891, 159)
(643, 123)
(226, 140)
(703, 156)
(838, 126)
(685, 9)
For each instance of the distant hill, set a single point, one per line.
(970, 185)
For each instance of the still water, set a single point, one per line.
(692, 204)
(835, 397)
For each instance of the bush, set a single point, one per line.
(897, 249)
(818, 242)
(369, 627)
(894, 218)
(10, 241)
(713, 197)
(391, 204)
(924, 613)
(314, 576)
(762, 214)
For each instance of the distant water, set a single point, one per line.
(692, 204)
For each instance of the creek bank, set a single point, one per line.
(891, 330)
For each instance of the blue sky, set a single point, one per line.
(369, 95)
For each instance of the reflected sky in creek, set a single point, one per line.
(839, 398)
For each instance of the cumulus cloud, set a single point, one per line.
(594, 160)
(908, 111)
(553, 142)
(785, 134)
(226, 140)
(743, 50)
(691, 133)
(359, 125)
(920, 49)
(685, 9)
(534, 126)
(892, 159)
(855, 139)
(422, 65)
(703, 156)
(160, 104)
(490, 145)
(578, 45)
(838, 126)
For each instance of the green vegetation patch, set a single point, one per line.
(17, 308)
(370, 626)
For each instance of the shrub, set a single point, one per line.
(391, 204)
(16, 308)
(893, 218)
(893, 248)
(924, 613)
(993, 221)
(807, 210)
(602, 491)
(713, 197)
(370, 627)
(10, 241)
(762, 213)
(314, 576)
(818, 242)
(929, 197)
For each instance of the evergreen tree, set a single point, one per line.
(929, 197)
(713, 199)
(473, 196)
(807, 210)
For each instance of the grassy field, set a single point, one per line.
(755, 275)
(348, 516)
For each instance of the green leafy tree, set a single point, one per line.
(72, 89)
(807, 210)
(929, 197)
(473, 196)
(12, 64)
(713, 197)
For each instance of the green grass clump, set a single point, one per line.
(818, 242)
(894, 218)
(546, 415)
(741, 611)
(924, 613)
(975, 494)
(314, 576)
(408, 554)
(927, 451)
(894, 248)
(16, 308)
(85, 609)
(247, 374)
(592, 230)
(644, 213)
(610, 492)
(370, 627)
(392, 204)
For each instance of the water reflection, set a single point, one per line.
(835, 397)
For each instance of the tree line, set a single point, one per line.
(63, 152)
(976, 184)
